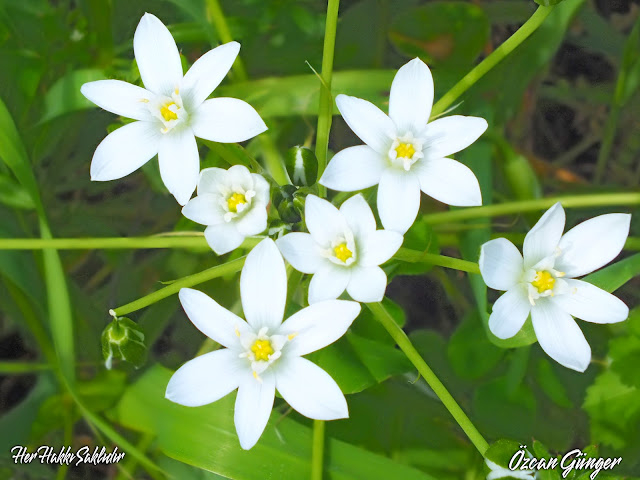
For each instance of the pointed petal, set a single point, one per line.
(223, 238)
(398, 200)
(310, 390)
(354, 168)
(157, 56)
(542, 240)
(450, 182)
(324, 221)
(449, 135)
(592, 244)
(510, 312)
(204, 209)
(378, 247)
(358, 215)
(253, 408)
(210, 179)
(119, 97)
(368, 122)
(205, 379)
(318, 325)
(207, 72)
(179, 164)
(263, 286)
(214, 321)
(300, 251)
(226, 120)
(367, 284)
(559, 336)
(254, 221)
(411, 97)
(591, 303)
(328, 282)
(124, 150)
(500, 264)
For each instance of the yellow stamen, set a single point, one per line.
(291, 336)
(237, 332)
(342, 252)
(167, 113)
(262, 349)
(405, 150)
(234, 200)
(544, 281)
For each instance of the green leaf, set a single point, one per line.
(302, 166)
(502, 451)
(123, 339)
(65, 97)
(548, 3)
(614, 276)
(541, 452)
(14, 195)
(551, 384)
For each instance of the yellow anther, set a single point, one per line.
(291, 336)
(255, 375)
(237, 332)
(234, 200)
(405, 150)
(167, 113)
(262, 349)
(342, 252)
(144, 100)
(544, 281)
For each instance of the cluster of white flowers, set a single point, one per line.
(404, 155)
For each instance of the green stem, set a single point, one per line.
(325, 110)
(414, 256)
(436, 385)
(189, 281)
(21, 368)
(492, 60)
(594, 200)
(317, 452)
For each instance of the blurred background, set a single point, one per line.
(563, 119)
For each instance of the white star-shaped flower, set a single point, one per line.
(404, 153)
(263, 353)
(233, 205)
(171, 111)
(543, 282)
(342, 250)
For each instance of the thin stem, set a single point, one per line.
(578, 201)
(492, 60)
(21, 368)
(414, 256)
(436, 385)
(317, 452)
(325, 110)
(189, 281)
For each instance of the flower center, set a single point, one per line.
(342, 252)
(405, 150)
(544, 281)
(169, 111)
(234, 200)
(262, 349)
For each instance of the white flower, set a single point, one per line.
(404, 154)
(342, 250)
(543, 282)
(500, 472)
(263, 354)
(171, 111)
(233, 203)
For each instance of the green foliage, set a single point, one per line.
(124, 340)
(302, 166)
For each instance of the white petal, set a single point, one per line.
(500, 264)
(398, 200)
(559, 336)
(357, 212)
(211, 179)
(450, 182)
(205, 379)
(328, 282)
(310, 390)
(368, 122)
(354, 168)
(592, 244)
(157, 56)
(448, 135)
(254, 221)
(179, 164)
(207, 72)
(324, 221)
(378, 247)
(318, 325)
(591, 303)
(125, 150)
(300, 251)
(510, 312)
(119, 97)
(214, 321)
(411, 97)
(542, 240)
(223, 238)
(204, 209)
(253, 408)
(263, 286)
(367, 284)
(226, 120)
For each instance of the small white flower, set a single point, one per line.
(233, 203)
(500, 472)
(171, 111)
(263, 354)
(404, 154)
(543, 282)
(342, 250)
